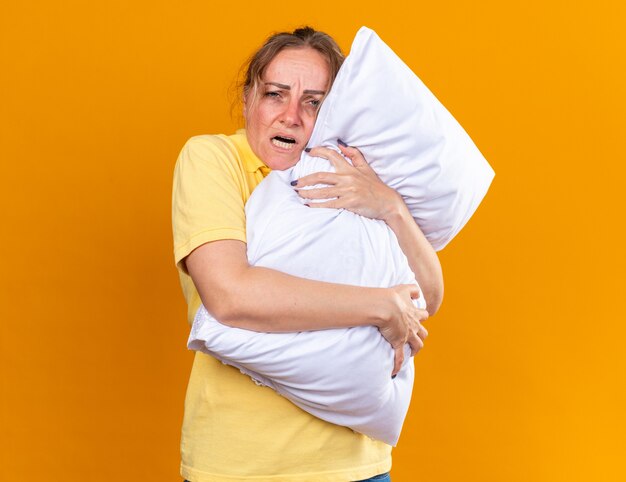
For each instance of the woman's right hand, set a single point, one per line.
(404, 323)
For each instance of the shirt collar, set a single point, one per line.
(251, 162)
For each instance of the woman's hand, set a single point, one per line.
(356, 187)
(404, 325)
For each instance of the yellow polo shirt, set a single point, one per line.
(233, 429)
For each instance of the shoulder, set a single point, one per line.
(214, 141)
(208, 147)
(210, 154)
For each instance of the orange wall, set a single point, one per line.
(522, 377)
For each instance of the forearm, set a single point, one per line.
(262, 299)
(422, 257)
(268, 300)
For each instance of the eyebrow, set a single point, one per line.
(287, 87)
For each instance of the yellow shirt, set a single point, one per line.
(233, 429)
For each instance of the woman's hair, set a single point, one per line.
(299, 38)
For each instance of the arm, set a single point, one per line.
(421, 256)
(261, 299)
(358, 189)
(208, 218)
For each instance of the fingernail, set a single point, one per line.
(307, 149)
(341, 143)
(293, 183)
(393, 376)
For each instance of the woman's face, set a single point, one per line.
(281, 113)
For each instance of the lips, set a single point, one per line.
(284, 142)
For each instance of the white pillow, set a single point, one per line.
(408, 137)
(342, 376)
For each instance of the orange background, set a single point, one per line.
(523, 375)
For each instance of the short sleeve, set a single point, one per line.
(208, 196)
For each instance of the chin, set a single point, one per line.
(282, 163)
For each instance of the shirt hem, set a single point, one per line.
(330, 476)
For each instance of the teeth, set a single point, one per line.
(283, 145)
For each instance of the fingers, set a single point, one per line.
(333, 203)
(337, 160)
(412, 327)
(329, 178)
(321, 193)
(398, 359)
(356, 156)
(415, 342)
(421, 332)
(422, 315)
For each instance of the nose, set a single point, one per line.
(291, 116)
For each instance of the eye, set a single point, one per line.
(314, 103)
(272, 94)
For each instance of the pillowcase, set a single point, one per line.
(380, 106)
(340, 375)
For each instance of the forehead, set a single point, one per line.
(304, 66)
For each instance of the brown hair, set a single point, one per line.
(299, 38)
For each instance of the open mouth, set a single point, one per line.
(283, 142)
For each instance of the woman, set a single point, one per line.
(232, 429)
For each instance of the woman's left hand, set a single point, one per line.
(356, 187)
